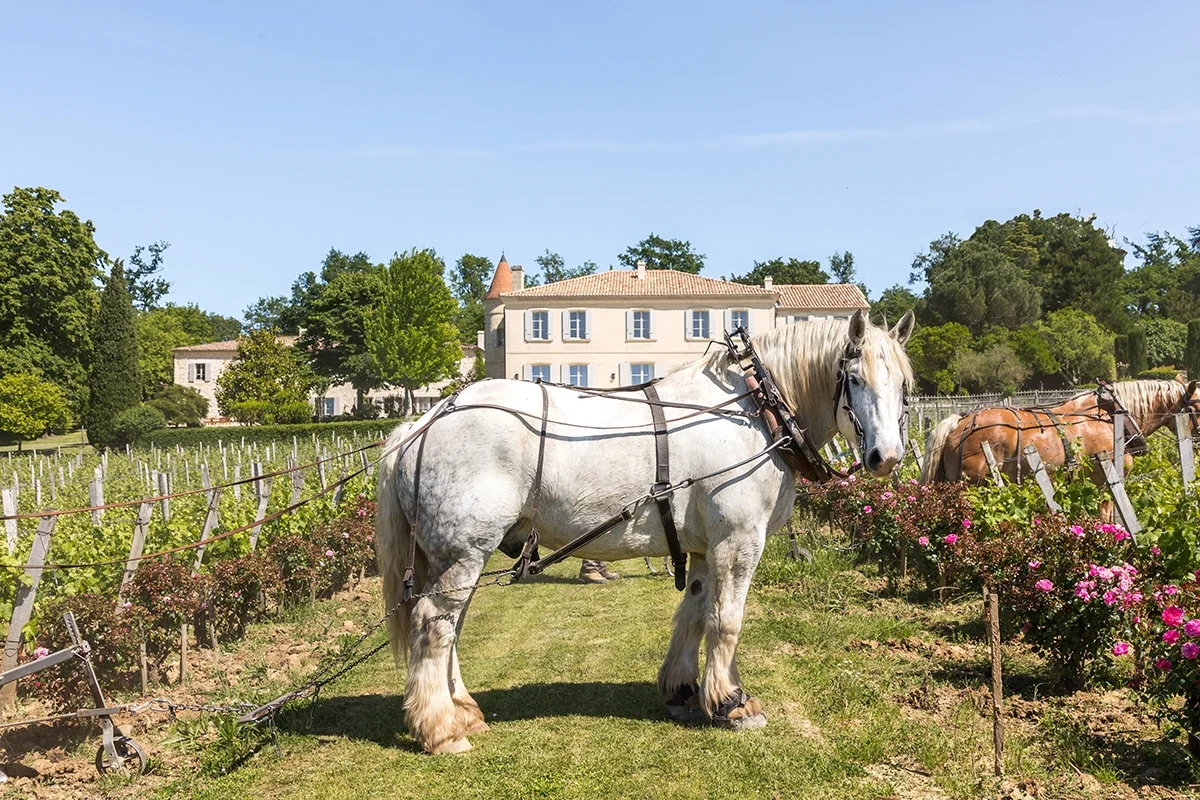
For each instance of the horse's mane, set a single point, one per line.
(803, 358)
(1146, 397)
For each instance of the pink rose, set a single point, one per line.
(1163, 664)
(40, 652)
(1154, 551)
(1120, 648)
(951, 538)
(1192, 628)
(1078, 531)
(1190, 650)
(1171, 636)
(866, 509)
(329, 554)
(911, 499)
(843, 484)
(1169, 589)
(1034, 564)
(1120, 533)
(1044, 585)
(923, 541)
(1172, 615)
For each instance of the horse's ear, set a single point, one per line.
(858, 329)
(904, 328)
(1191, 388)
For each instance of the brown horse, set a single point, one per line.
(1065, 434)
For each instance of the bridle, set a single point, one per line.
(1108, 400)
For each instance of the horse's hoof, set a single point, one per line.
(684, 704)
(451, 746)
(740, 713)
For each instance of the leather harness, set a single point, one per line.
(662, 485)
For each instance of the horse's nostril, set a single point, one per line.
(874, 459)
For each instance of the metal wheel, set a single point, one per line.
(132, 755)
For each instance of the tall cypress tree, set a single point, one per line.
(1192, 356)
(113, 384)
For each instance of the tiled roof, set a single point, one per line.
(625, 283)
(501, 280)
(226, 347)
(816, 296)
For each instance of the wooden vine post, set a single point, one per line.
(210, 522)
(992, 621)
(1187, 456)
(96, 496)
(993, 467)
(1042, 478)
(141, 526)
(23, 604)
(1118, 454)
(262, 491)
(1116, 487)
(8, 501)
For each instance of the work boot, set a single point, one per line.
(594, 572)
(608, 575)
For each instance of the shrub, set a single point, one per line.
(237, 583)
(1165, 637)
(296, 559)
(113, 636)
(181, 405)
(1192, 350)
(1159, 373)
(250, 412)
(191, 437)
(346, 544)
(132, 424)
(169, 594)
(290, 414)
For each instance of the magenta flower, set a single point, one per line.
(1077, 530)
(1044, 585)
(1170, 589)
(1190, 650)
(1154, 551)
(951, 538)
(1026, 628)
(923, 541)
(1110, 597)
(1163, 664)
(1034, 564)
(1173, 616)
(1192, 628)
(1120, 648)
(866, 509)
(1120, 533)
(966, 523)
(329, 554)
(40, 652)
(887, 495)
(912, 499)
(1171, 636)
(843, 484)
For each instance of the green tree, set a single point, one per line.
(134, 423)
(783, 271)
(935, 353)
(223, 329)
(1166, 341)
(267, 371)
(1138, 351)
(894, 303)
(1033, 351)
(469, 283)
(333, 317)
(1082, 347)
(114, 384)
(1192, 355)
(660, 253)
(49, 266)
(555, 269)
(271, 314)
(996, 369)
(145, 287)
(976, 284)
(180, 405)
(410, 334)
(30, 406)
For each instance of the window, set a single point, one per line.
(329, 406)
(740, 318)
(641, 373)
(577, 325)
(500, 335)
(201, 371)
(540, 372)
(698, 329)
(641, 325)
(578, 375)
(539, 325)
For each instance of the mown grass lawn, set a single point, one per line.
(67, 440)
(565, 673)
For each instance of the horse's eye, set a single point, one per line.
(854, 380)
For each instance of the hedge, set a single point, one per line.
(190, 437)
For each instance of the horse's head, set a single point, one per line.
(872, 389)
(1191, 404)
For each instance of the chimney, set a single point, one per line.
(479, 341)
(641, 270)
(768, 282)
(518, 273)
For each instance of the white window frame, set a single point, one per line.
(534, 369)
(690, 319)
(570, 332)
(730, 323)
(536, 315)
(631, 327)
(635, 379)
(570, 376)
(329, 406)
(201, 371)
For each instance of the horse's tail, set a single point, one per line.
(392, 541)
(932, 469)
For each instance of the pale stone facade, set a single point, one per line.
(623, 327)
(198, 367)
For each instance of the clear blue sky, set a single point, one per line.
(254, 137)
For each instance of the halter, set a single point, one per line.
(1105, 391)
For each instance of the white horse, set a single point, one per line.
(478, 473)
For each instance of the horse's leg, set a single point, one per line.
(678, 678)
(465, 707)
(731, 566)
(431, 714)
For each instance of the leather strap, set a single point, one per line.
(410, 570)
(662, 482)
(529, 553)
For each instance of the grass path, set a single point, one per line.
(565, 674)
